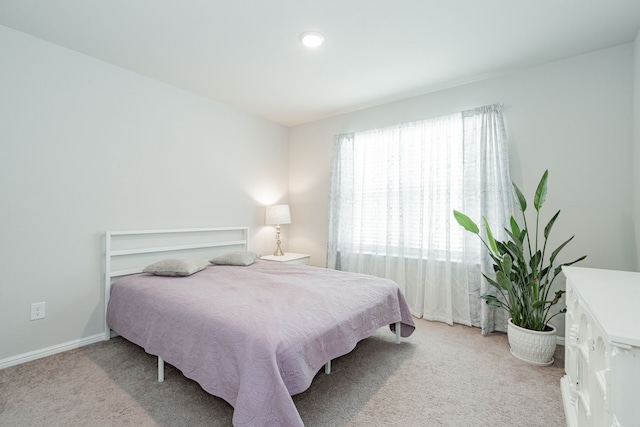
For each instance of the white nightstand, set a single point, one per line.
(288, 258)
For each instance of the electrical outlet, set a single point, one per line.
(37, 310)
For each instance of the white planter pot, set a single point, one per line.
(535, 347)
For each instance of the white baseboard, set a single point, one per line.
(560, 340)
(49, 351)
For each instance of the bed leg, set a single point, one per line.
(160, 369)
(327, 368)
(398, 328)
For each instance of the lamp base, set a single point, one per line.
(278, 251)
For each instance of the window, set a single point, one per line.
(403, 177)
(393, 192)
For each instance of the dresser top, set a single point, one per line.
(613, 298)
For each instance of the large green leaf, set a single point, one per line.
(559, 294)
(535, 260)
(491, 281)
(506, 264)
(515, 229)
(522, 201)
(492, 241)
(547, 229)
(493, 301)
(514, 250)
(514, 238)
(466, 222)
(541, 192)
(490, 238)
(504, 281)
(555, 253)
(567, 264)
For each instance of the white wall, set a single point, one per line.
(636, 141)
(88, 147)
(573, 117)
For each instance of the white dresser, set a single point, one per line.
(602, 348)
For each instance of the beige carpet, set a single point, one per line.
(440, 376)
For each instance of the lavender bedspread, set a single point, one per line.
(255, 335)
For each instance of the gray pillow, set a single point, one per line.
(235, 258)
(176, 267)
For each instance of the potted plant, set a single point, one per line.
(524, 277)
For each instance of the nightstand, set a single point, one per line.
(288, 258)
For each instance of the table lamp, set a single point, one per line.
(278, 215)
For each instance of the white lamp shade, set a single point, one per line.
(278, 215)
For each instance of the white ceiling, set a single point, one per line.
(246, 53)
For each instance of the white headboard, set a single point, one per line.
(128, 252)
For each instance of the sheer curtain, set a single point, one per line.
(393, 191)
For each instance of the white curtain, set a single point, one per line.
(393, 192)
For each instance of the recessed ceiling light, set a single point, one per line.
(311, 39)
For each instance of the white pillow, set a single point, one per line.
(235, 258)
(175, 267)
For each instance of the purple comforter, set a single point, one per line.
(254, 335)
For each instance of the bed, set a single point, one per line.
(253, 334)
